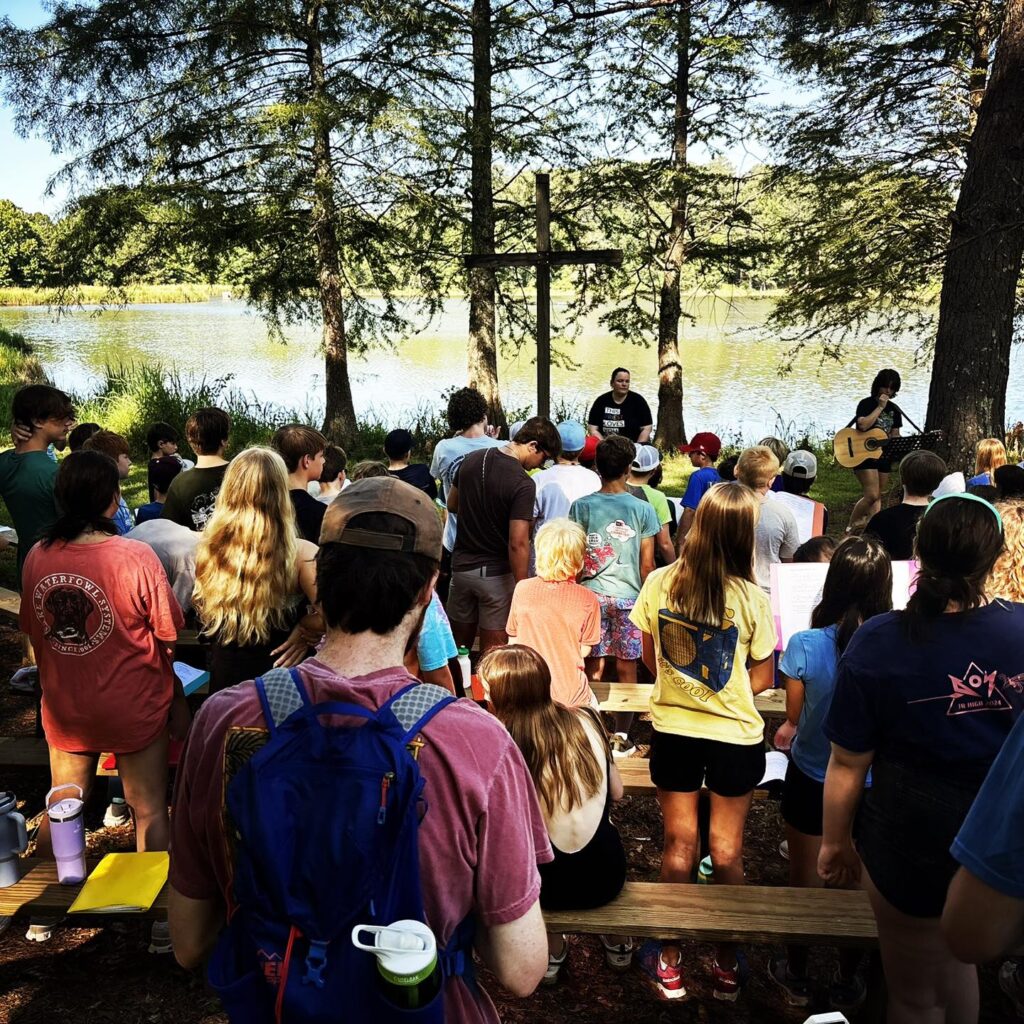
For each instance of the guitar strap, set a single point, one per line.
(899, 410)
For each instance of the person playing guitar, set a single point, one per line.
(876, 411)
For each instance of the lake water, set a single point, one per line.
(730, 364)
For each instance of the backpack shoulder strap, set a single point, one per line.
(282, 693)
(416, 705)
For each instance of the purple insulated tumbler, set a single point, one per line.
(67, 833)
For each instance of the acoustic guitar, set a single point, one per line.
(852, 447)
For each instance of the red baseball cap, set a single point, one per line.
(589, 452)
(706, 443)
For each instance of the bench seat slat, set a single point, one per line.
(637, 697)
(725, 913)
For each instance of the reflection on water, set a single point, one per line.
(730, 364)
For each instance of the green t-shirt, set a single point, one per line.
(615, 524)
(26, 485)
(658, 502)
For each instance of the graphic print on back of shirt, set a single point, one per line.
(976, 690)
(202, 508)
(600, 554)
(705, 653)
(74, 611)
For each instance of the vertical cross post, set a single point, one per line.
(543, 296)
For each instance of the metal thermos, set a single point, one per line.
(13, 839)
(67, 834)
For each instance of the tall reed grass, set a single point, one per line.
(89, 294)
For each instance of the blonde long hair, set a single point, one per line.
(720, 545)
(246, 558)
(990, 454)
(1007, 577)
(552, 739)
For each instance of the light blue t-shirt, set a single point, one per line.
(990, 843)
(123, 518)
(615, 525)
(812, 657)
(701, 481)
(435, 644)
(447, 458)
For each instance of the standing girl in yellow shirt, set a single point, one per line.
(708, 638)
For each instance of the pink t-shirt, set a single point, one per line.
(555, 619)
(100, 617)
(480, 841)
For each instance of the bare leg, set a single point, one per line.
(803, 874)
(464, 633)
(625, 672)
(681, 848)
(594, 668)
(728, 816)
(870, 500)
(144, 774)
(491, 638)
(926, 983)
(70, 769)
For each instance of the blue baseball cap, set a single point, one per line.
(573, 435)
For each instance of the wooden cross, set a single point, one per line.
(544, 259)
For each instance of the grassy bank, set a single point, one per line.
(132, 397)
(89, 294)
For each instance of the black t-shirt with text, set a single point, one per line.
(627, 419)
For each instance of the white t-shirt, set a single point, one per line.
(175, 546)
(558, 487)
(775, 538)
(448, 456)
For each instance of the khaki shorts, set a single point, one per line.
(476, 597)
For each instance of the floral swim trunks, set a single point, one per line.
(620, 638)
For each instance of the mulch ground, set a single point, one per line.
(106, 976)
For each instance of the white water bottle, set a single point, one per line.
(466, 670)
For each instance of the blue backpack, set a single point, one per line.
(325, 823)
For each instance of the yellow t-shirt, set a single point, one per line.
(703, 688)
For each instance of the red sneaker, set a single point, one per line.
(726, 983)
(670, 979)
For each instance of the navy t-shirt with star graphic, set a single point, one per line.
(944, 703)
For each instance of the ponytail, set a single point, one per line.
(86, 485)
(958, 542)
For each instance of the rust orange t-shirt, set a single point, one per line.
(99, 616)
(555, 619)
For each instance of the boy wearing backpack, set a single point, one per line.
(479, 841)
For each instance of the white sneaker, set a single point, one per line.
(621, 745)
(40, 929)
(160, 938)
(116, 814)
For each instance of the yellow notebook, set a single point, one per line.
(122, 883)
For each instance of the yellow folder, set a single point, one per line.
(122, 883)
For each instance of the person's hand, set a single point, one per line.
(784, 736)
(179, 719)
(20, 433)
(883, 400)
(491, 431)
(839, 865)
(293, 651)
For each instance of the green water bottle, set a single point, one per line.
(706, 872)
(407, 967)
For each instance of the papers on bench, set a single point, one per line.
(192, 679)
(796, 589)
(122, 883)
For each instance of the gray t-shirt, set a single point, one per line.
(448, 456)
(175, 546)
(775, 538)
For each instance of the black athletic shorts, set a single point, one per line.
(682, 764)
(882, 465)
(802, 800)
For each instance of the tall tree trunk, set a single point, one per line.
(671, 431)
(980, 56)
(340, 413)
(482, 352)
(967, 398)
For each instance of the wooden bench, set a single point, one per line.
(637, 697)
(31, 752)
(728, 913)
(709, 913)
(39, 893)
(10, 604)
